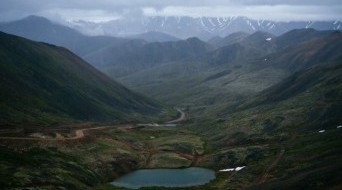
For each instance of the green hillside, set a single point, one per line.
(232, 72)
(286, 117)
(41, 83)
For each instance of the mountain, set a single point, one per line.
(154, 37)
(233, 72)
(132, 57)
(41, 29)
(228, 40)
(245, 47)
(42, 83)
(203, 27)
(298, 118)
(299, 35)
(327, 48)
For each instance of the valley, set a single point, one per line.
(84, 114)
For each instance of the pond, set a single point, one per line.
(165, 177)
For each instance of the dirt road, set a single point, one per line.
(182, 117)
(79, 133)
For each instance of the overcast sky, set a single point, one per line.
(105, 10)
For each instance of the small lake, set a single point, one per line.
(165, 178)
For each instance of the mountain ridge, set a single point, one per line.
(42, 83)
(202, 27)
(41, 29)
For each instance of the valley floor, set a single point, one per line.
(98, 154)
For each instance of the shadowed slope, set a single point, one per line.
(44, 83)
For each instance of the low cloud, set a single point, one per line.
(273, 12)
(103, 10)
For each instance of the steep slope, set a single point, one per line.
(235, 52)
(243, 47)
(134, 56)
(228, 40)
(299, 35)
(41, 83)
(287, 136)
(318, 87)
(232, 72)
(318, 50)
(154, 37)
(41, 29)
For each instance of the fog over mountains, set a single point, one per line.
(202, 27)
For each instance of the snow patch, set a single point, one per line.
(310, 23)
(211, 22)
(232, 169)
(273, 25)
(219, 21)
(202, 23)
(227, 170)
(268, 39)
(239, 168)
(321, 131)
(338, 127)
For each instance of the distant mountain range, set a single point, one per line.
(154, 37)
(132, 57)
(169, 69)
(231, 72)
(43, 30)
(202, 27)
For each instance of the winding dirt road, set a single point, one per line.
(79, 133)
(182, 117)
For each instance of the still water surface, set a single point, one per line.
(165, 177)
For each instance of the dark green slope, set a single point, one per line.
(41, 83)
(302, 105)
(277, 133)
(297, 36)
(235, 52)
(232, 72)
(308, 53)
(318, 90)
(228, 40)
(296, 58)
